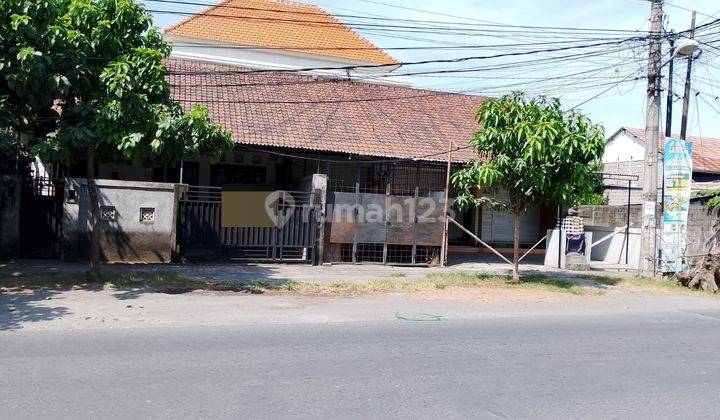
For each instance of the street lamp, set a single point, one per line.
(686, 47)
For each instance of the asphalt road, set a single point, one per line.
(662, 365)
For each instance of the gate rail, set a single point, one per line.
(201, 235)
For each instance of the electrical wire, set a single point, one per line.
(324, 15)
(422, 62)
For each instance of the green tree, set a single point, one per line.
(712, 196)
(86, 79)
(535, 150)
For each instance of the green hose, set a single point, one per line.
(419, 317)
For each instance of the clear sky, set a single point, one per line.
(574, 81)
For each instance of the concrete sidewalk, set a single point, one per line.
(248, 273)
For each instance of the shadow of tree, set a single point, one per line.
(184, 278)
(17, 309)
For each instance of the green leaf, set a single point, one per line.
(27, 52)
(18, 20)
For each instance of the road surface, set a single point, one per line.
(653, 365)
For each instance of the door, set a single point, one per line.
(41, 219)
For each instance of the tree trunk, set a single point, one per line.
(703, 276)
(516, 246)
(94, 217)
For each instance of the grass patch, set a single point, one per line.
(534, 281)
(158, 280)
(431, 281)
(163, 281)
(651, 285)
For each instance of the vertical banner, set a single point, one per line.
(678, 179)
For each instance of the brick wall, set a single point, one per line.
(616, 191)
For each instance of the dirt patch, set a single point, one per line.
(491, 294)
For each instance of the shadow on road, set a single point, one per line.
(29, 306)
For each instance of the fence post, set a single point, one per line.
(319, 188)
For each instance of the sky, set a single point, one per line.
(606, 87)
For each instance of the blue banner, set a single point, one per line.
(678, 181)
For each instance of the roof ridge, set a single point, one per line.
(292, 2)
(203, 24)
(662, 133)
(348, 29)
(194, 16)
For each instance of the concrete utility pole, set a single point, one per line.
(446, 236)
(686, 96)
(652, 131)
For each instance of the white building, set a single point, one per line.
(625, 154)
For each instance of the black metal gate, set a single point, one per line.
(41, 212)
(200, 235)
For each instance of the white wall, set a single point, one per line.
(259, 58)
(623, 147)
(610, 245)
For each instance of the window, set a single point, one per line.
(147, 214)
(107, 213)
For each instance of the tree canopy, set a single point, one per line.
(85, 78)
(89, 73)
(532, 148)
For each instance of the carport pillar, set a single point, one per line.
(319, 188)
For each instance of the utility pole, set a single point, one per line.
(686, 96)
(669, 100)
(445, 239)
(668, 133)
(652, 132)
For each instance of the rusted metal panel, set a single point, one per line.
(429, 221)
(371, 222)
(401, 220)
(408, 222)
(341, 216)
(429, 234)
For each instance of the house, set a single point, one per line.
(625, 154)
(330, 138)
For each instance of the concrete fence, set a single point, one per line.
(137, 220)
(703, 227)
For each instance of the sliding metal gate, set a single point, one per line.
(200, 235)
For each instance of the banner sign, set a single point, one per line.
(677, 180)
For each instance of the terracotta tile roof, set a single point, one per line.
(706, 150)
(705, 186)
(352, 117)
(279, 24)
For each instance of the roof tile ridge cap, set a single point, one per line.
(346, 28)
(291, 2)
(203, 12)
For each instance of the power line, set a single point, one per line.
(508, 65)
(420, 47)
(421, 62)
(320, 14)
(382, 27)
